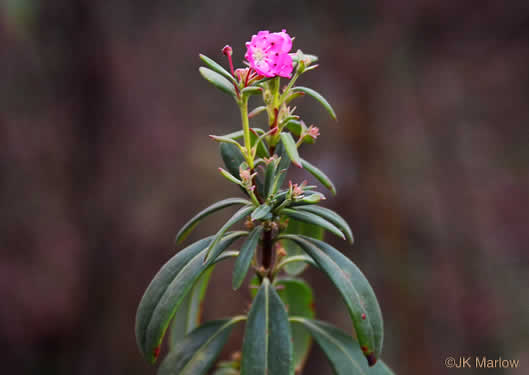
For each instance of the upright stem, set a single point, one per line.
(246, 130)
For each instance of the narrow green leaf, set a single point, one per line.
(217, 80)
(187, 316)
(168, 289)
(240, 134)
(232, 158)
(291, 148)
(312, 219)
(228, 176)
(295, 57)
(309, 199)
(224, 139)
(341, 349)
(197, 352)
(192, 223)
(242, 264)
(267, 346)
(355, 290)
(217, 67)
(332, 216)
(254, 112)
(238, 216)
(316, 95)
(234, 135)
(262, 150)
(292, 249)
(251, 90)
(270, 174)
(296, 294)
(319, 175)
(295, 259)
(261, 212)
(293, 96)
(295, 127)
(284, 164)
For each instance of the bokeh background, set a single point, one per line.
(104, 154)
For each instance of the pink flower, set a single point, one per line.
(268, 54)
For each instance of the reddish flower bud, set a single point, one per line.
(227, 50)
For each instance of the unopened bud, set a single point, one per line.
(236, 356)
(249, 224)
(227, 50)
(313, 132)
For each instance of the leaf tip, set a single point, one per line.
(371, 359)
(370, 356)
(156, 353)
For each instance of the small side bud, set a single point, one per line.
(281, 253)
(227, 50)
(249, 224)
(313, 132)
(236, 356)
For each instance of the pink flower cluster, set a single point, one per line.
(268, 55)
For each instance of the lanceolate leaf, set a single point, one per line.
(316, 95)
(293, 249)
(238, 216)
(169, 288)
(187, 316)
(197, 352)
(355, 290)
(319, 175)
(283, 165)
(270, 173)
(291, 148)
(232, 158)
(297, 296)
(312, 219)
(217, 80)
(252, 90)
(262, 150)
(341, 349)
(254, 112)
(261, 212)
(267, 347)
(217, 68)
(191, 224)
(242, 264)
(332, 216)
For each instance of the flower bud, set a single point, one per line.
(227, 50)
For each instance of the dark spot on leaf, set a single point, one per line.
(363, 316)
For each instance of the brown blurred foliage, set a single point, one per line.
(104, 155)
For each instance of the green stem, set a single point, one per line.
(289, 86)
(246, 130)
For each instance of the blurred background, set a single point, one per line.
(104, 154)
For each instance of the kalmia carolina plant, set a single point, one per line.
(284, 229)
